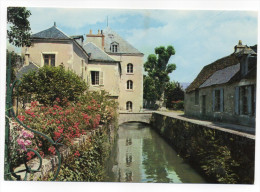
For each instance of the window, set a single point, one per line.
(245, 97)
(114, 47)
(196, 96)
(129, 106)
(129, 176)
(49, 59)
(128, 159)
(95, 77)
(128, 141)
(129, 85)
(130, 68)
(218, 100)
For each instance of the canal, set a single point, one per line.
(141, 155)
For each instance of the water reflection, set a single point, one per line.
(141, 155)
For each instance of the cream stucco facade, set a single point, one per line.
(102, 60)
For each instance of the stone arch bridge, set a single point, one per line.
(143, 117)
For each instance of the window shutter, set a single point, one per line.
(89, 78)
(249, 100)
(213, 100)
(101, 81)
(221, 100)
(237, 101)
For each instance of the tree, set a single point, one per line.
(19, 33)
(158, 70)
(49, 83)
(173, 93)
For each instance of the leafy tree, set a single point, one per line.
(158, 70)
(16, 62)
(49, 83)
(19, 33)
(173, 92)
(150, 93)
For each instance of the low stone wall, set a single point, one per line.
(50, 162)
(223, 156)
(143, 117)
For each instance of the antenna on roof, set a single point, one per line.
(107, 21)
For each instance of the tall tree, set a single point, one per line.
(158, 70)
(19, 32)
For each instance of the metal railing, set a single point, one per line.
(9, 172)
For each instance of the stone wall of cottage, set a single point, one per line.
(228, 114)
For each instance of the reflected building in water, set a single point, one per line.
(129, 156)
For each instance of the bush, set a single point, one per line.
(178, 105)
(86, 162)
(64, 122)
(49, 83)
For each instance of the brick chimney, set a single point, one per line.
(98, 39)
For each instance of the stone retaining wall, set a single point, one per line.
(50, 162)
(222, 156)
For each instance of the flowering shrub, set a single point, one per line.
(64, 120)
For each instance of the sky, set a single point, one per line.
(199, 36)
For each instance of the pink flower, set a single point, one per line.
(27, 134)
(20, 141)
(27, 142)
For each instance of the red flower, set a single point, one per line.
(77, 154)
(30, 155)
(52, 150)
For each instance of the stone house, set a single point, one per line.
(225, 90)
(105, 61)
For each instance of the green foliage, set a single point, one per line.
(150, 92)
(16, 62)
(49, 83)
(174, 96)
(222, 157)
(86, 162)
(19, 33)
(158, 69)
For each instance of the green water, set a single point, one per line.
(140, 155)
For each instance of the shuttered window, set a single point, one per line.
(218, 100)
(96, 77)
(245, 98)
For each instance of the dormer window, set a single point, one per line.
(114, 47)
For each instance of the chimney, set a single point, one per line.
(98, 39)
(239, 47)
(54, 24)
(26, 62)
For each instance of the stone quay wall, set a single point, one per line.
(221, 155)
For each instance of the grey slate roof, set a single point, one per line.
(124, 47)
(51, 33)
(26, 69)
(97, 53)
(221, 76)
